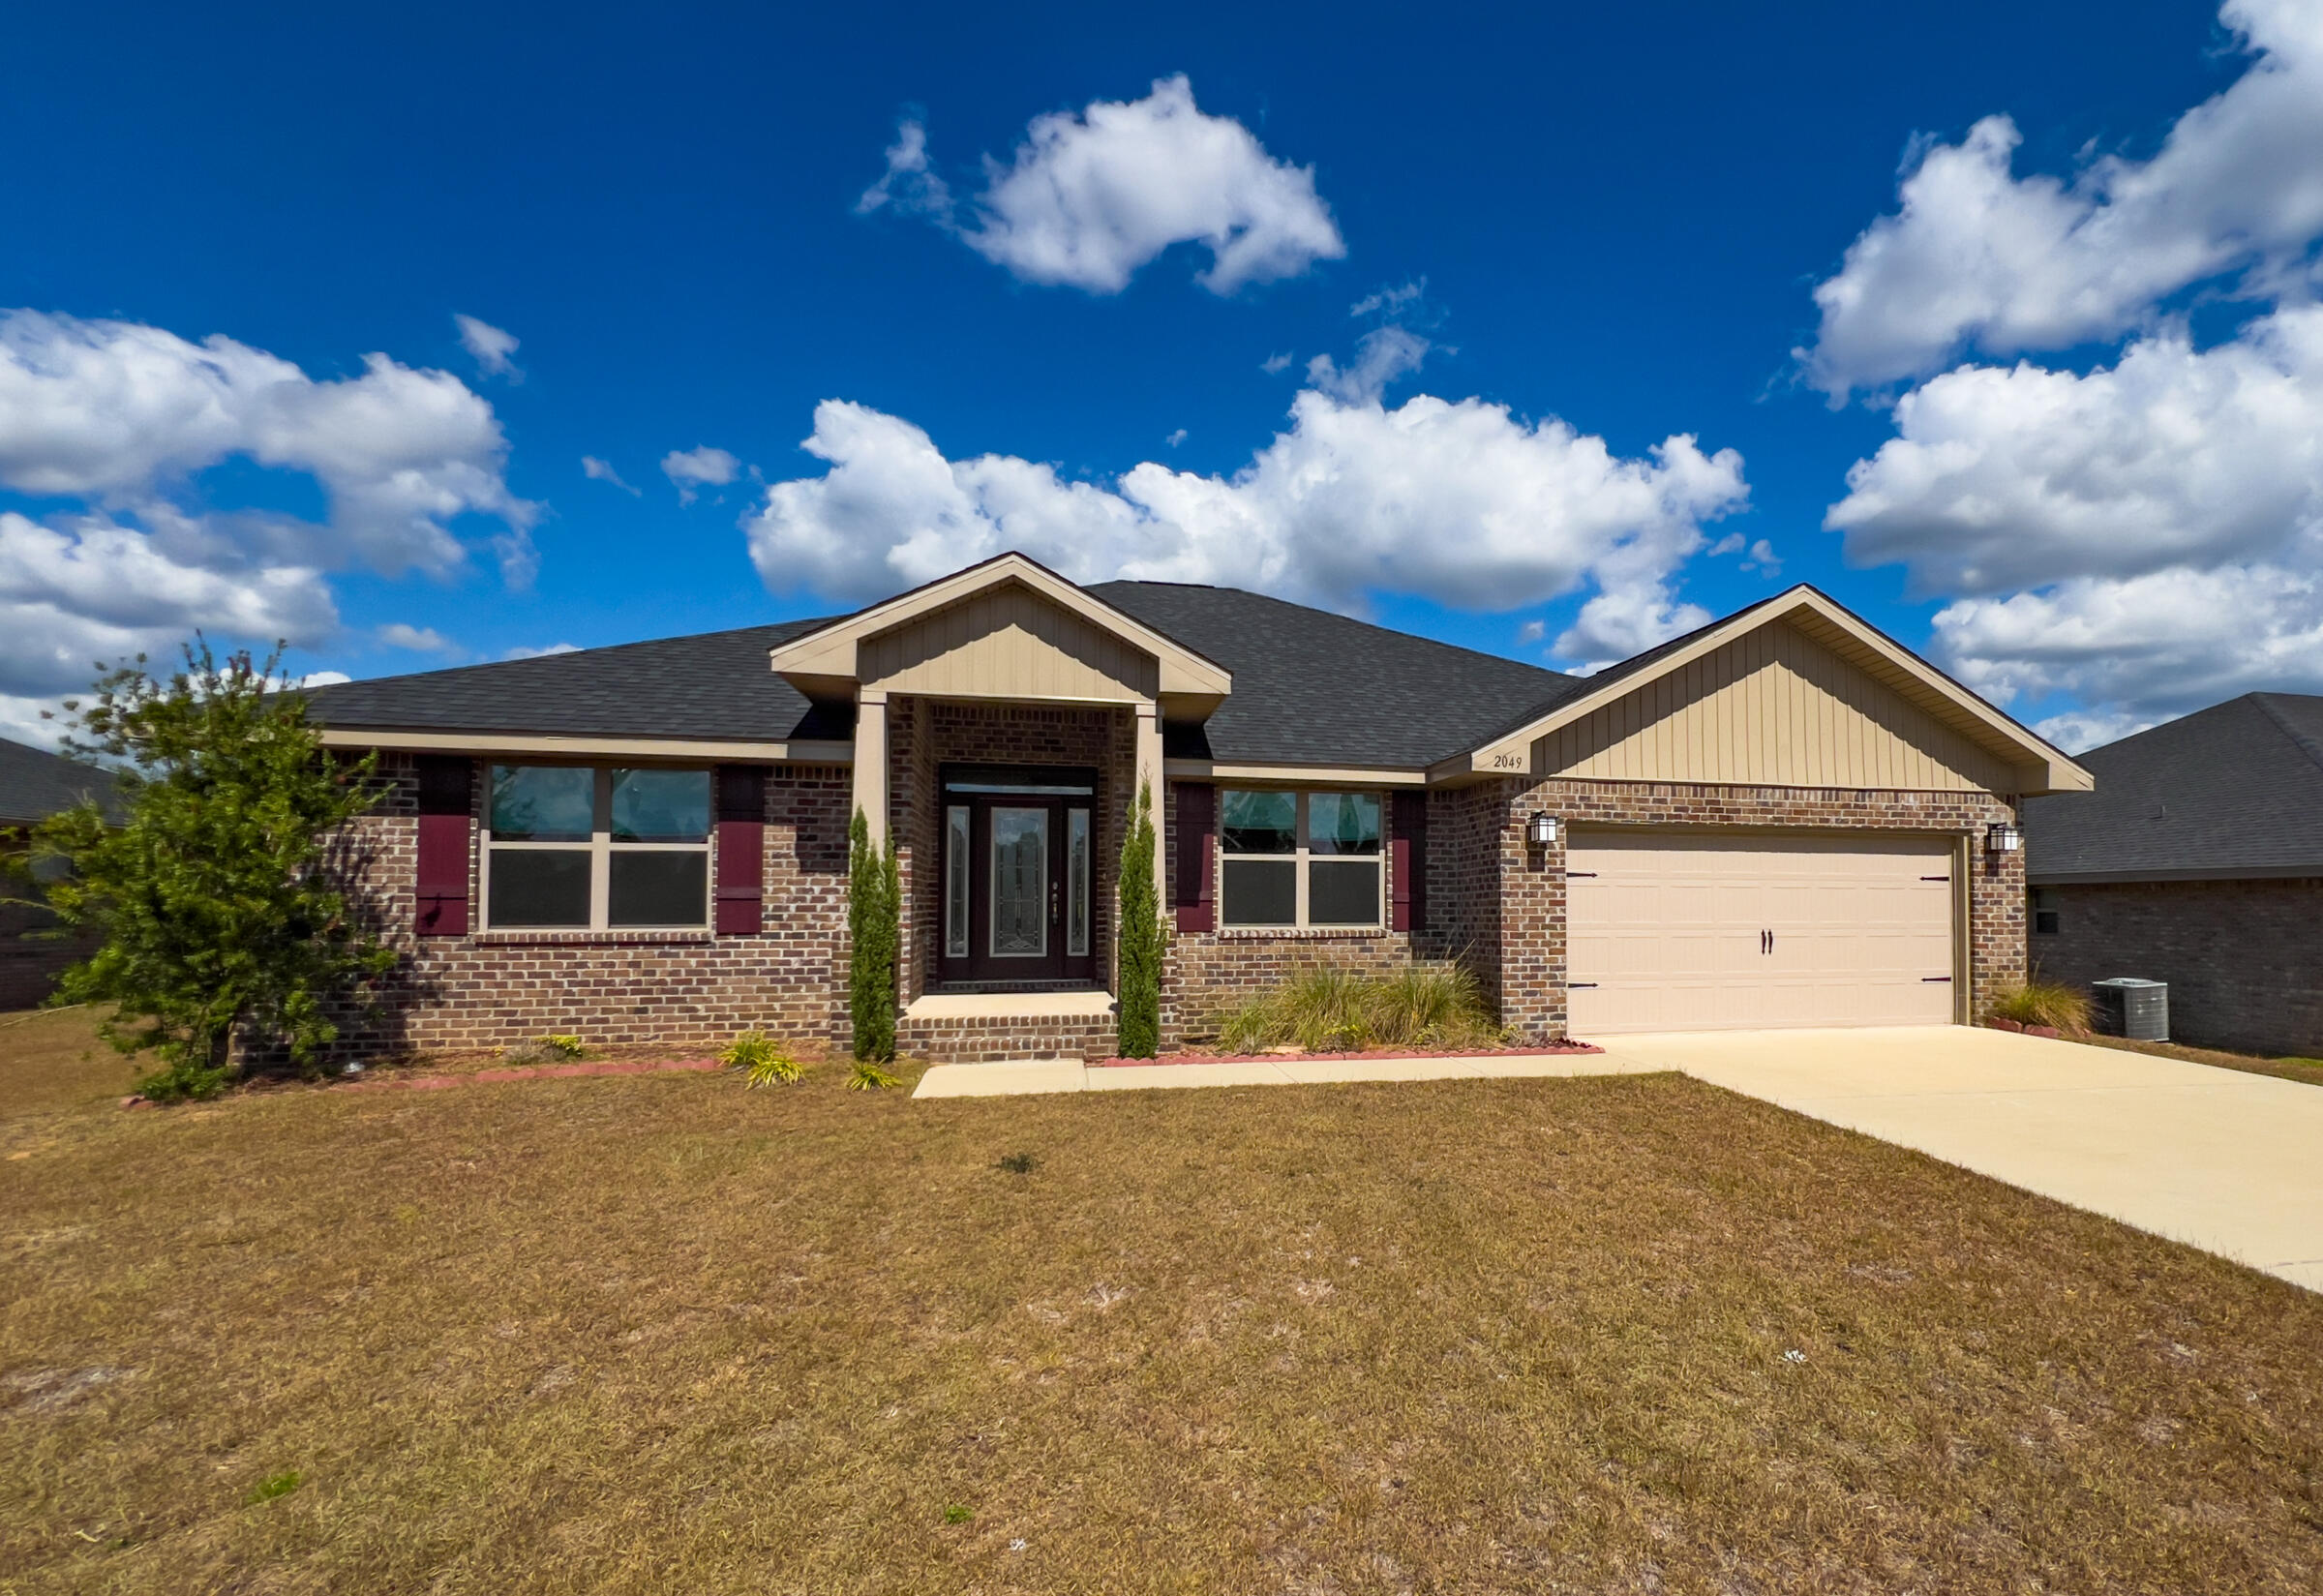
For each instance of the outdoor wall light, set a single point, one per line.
(2001, 837)
(1541, 830)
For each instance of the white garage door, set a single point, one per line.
(1699, 933)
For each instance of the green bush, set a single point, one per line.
(762, 1061)
(1334, 1007)
(874, 908)
(871, 1077)
(182, 1080)
(1141, 937)
(564, 1046)
(2038, 1001)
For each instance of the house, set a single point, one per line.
(1783, 818)
(34, 784)
(2198, 860)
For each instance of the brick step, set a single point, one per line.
(995, 1027)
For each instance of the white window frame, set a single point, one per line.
(1303, 856)
(600, 848)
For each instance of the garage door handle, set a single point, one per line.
(1935, 878)
(1573, 874)
(1576, 985)
(1944, 978)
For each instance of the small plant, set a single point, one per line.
(2038, 1001)
(760, 1060)
(955, 1514)
(1142, 944)
(182, 1080)
(276, 1485)
(871, 1077)
(1018, 1164)
(567, 1048)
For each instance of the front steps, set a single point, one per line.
(990, 1027)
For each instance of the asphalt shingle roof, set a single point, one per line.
(2233, 790)
(35, 783)
(1310, 687)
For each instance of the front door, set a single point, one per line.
(1016, 863)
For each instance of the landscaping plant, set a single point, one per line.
(762, 1061)
(1334, 1008)
(874, 908)
(1141, 943)
(216, 895)
(2037, 1002)
(871, 1077)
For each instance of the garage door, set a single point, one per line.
(1701, 933)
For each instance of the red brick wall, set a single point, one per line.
(683, 989)
(2244, 958)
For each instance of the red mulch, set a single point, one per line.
(1551, 1051)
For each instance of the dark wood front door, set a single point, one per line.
(1017, 878)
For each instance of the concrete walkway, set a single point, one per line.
(2227, 1161)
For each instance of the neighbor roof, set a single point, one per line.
(35, 783)
(2231, 792)
(1310, 687)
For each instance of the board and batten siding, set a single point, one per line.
(1772, 708)
(1008, 643)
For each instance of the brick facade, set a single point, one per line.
(2242, 957)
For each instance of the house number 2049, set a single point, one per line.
(1508, 762)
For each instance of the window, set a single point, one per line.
(1299, 859)
(571, 848)
(2045, 911)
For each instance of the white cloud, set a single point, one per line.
(1533, 631)
(319, 679)
(1459, 502)
(1276, 363)
(2078, 730)
(424, 640)
(1382, 356)
(1090, 199)
(1175, 438)
(2011, 477)
(522, 652)
(598, 470)
(489, 346)
(1978, 258)
(1389, 301)
(693, 470)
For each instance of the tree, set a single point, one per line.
(874, 911)
(1142, 946)
(218, 897)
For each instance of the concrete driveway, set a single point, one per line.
(2226, 1161)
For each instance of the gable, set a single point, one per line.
(1772, 706)
(1008, 642)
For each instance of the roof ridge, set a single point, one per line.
(2306, 744)
(1335, 615)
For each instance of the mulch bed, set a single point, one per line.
(1554, 1050)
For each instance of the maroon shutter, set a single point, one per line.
(1407, 864)
(1197, 836)
(742, 849)
(445, 794)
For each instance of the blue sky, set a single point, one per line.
(2078, 377)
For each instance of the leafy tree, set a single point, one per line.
(874, 913)
(1142, 946)
(218, 894)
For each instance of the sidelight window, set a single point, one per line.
(581, 848)
(1300, 858)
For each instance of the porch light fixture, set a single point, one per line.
(2002, 837)
(1541, 830)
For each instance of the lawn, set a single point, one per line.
(664, 1334)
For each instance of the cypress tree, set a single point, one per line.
(1142, 946)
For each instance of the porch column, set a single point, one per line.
(871, 760)
(1149, 774)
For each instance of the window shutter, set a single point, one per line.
(741, 850)
(1197, 838)
(1407, 861)
(446, 788)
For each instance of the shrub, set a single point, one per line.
(565, 1048)
(762, 1062)
(2038, 1001)
(182, 1080)
(1333, 1007)
(1141, 943)
(871, 1077)
(874, 905)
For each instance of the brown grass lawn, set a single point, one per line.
(2309, 1070)
(663, 1334)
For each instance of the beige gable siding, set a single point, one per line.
(1772, 708)
(1008, 642)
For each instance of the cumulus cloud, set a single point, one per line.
(1381, 358)
(424, 640)
(598, 470)
(1087, 200)
(1978, 257)
(489, 346)
(522, 652)
(693, 470)
(1461, 502)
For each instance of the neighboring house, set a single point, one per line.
(34, 784)
(2198, 860)
(1784, 819)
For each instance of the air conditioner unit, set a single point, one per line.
(2138, 1010)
